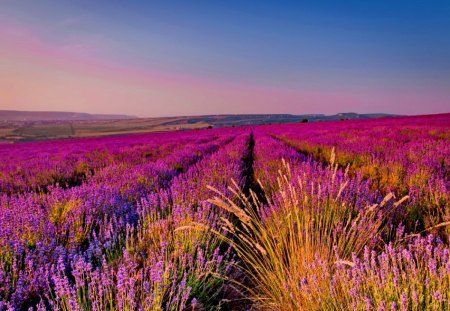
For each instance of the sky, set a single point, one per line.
(167, 58)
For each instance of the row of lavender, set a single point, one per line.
(324, 240)
(37, 165)
(407, 155)
(141, 230)
(110, 243)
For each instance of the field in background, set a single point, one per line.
(30, 126)
(349, 215)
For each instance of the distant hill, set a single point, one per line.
(253, 119)
(12, 115)
(28, 126)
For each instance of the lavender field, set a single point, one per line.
(341, 215)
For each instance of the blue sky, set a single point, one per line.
(227, 56)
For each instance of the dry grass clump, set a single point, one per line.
(290, 246)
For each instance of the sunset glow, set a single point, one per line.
(82, 61)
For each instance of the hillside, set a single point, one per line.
(14, 115)
(26, 126)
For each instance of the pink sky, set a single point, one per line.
(38, 74)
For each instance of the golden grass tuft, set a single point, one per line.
(290, 246)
